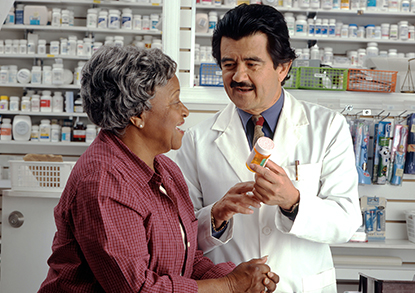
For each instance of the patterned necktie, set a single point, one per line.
(258, 122)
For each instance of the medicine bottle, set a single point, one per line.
(378, 33)
(66, 130)
(14, 103)
(10, 18)
(311, 26)
(64, 47)
(12, 73)
(145, 23)
(102, 19)
(57, 73)
(72, 48)
(87, 47)
(385, 30)
(96, 46)
(361, 57)
(405, 6)
(137, 22)
(327, 4)
(332, 28)
(41, 47)
(114, 19)
(328, 56)
(25, 104)
(148, 41)
(4, 74)
(21, 127)
(79, 132)
(78, 108)
(370, 31)
(360, 32)
(44, 130)
(118, 41)
(352, 30)
(15, 47)
(65, 17)
(6, 129)
(31, 48)
(344, 31)
(403, 31)
(315, 3)
(315, 53)
(91, 133)
(47, 74)
(317, 27)
(372, 50)
(54, 48)
(127, 19)
(353, 58)
(22, 46)
(55, 133)
(325, 28)
(92, 18)
(393, 32)
(301, 26)
(260, 152)
(34, 135)
(36, 75)
(19, 13)
(4, 103)
(56, 17)
(46, 102)
(213, 20)
(57, 102)
(8, 46)
(35, 103)
(393, 53)
(304, 3)
(156, 44)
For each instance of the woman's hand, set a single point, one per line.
(252, 276)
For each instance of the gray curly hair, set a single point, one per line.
(119, 82)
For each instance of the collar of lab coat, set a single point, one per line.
(234, 146)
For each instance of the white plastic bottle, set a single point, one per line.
(55, 133)
(6, 129)
(304, 3)
(36, 75)
(44, 130)
(54, 48)
(8, 46)
(103, 19)
(4, 74)
(65, 17)
(328, 56)
(405, 6)
(15, 47)
(56, 17)
(290, 20)
(12, 73)
(137, 22)
(317, 27)
(145, 23)
(325, 28)
(72, 45)
(91, 133)
(25, 104)
(315, 53)
(114, 19)
(23, 47)
(47, 74)
(4, 103)
(34, 135)
(31, 48)
(14, 103)
(327, 4)
(41, 47)
(64, 47)
(79, 47)
(57, 102)
(35, 103)
(213, 20)
(57, 74)
(361, 57)
(403, 30)
(92, 18)
(372, 50)
(301, 26)
(332, 28)
(46, 102)
(21, 127)
(393, 53)
(393, 32)
(118, 41)
(315, 4)
(352, 30)
(311, 26)
(127, 19)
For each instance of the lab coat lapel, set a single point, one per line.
(287, 135)
(232, 141)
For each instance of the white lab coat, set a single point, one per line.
(212, 159)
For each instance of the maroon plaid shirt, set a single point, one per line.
(118, 233)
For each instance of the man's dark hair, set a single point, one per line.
(247, 20)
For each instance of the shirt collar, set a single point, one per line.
(270, 115)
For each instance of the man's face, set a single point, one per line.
(248, 73)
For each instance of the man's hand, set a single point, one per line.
(252, 276)
(273, 187)
(236, 200)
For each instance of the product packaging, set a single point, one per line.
(381, 154)
(361, 151)
(410, 155)
(374, 212)
(398, 154)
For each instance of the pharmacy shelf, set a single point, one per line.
(44, 114)
(80, 29)
(331, 40)
(42, 56)
(41, 86)
(24, 147)
(94, 2)
(354, 12)
(387, 244)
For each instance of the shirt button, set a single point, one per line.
(266, 230)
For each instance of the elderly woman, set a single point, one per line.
(125, 222)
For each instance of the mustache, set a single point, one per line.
(241, 84)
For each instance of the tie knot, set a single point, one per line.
(258, 119)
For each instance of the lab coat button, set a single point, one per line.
(266, 230)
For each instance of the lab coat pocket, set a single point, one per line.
(322, 282)
(305, 177)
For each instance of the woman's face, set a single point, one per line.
(162, 121)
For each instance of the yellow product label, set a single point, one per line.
(344, 4)
(97, 1)
(399, 172)
(50, 55)
(239, 2)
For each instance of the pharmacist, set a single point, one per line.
(308, 190)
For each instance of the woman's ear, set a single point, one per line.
(137, 122)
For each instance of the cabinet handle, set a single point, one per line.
(16, 219)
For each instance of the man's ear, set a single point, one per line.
(283, 70)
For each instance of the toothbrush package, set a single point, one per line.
(361, 144)
(381, 155)
(374, 213)
(398, 154)
(410, 155)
